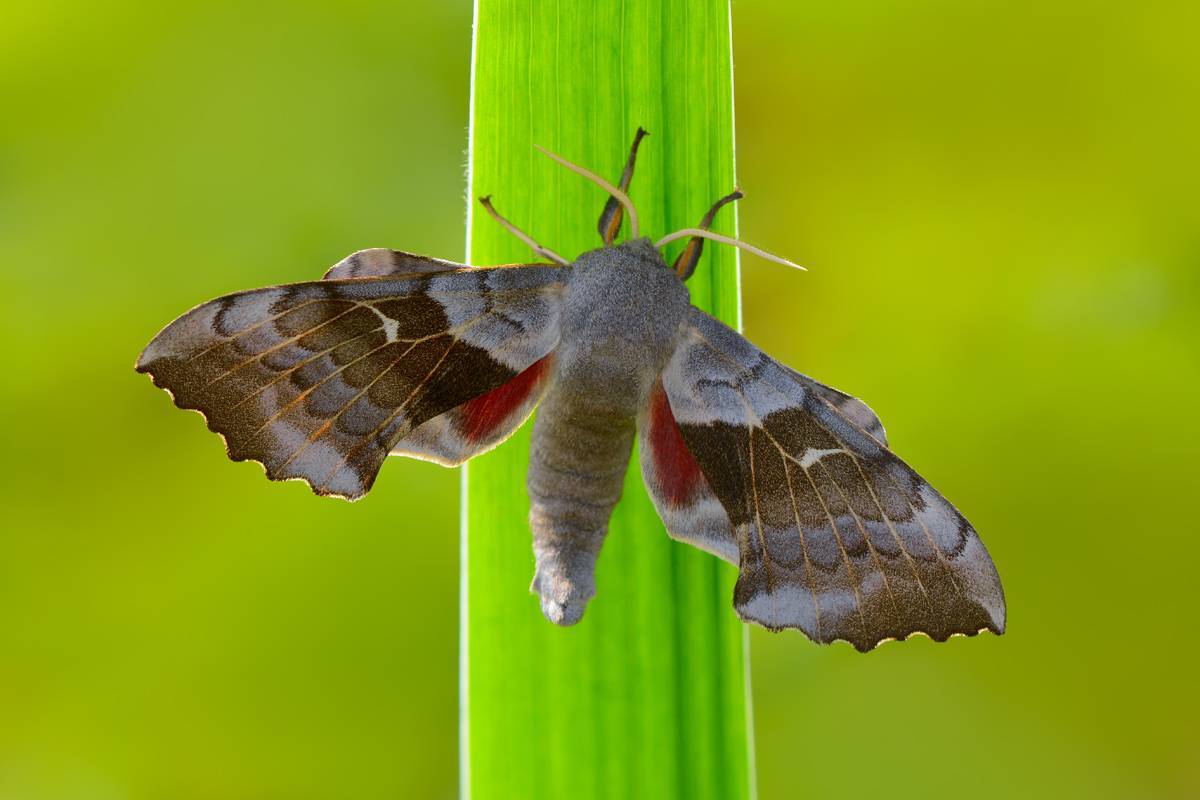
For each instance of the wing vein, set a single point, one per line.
(850, 572)
(866, 538)
(762, 542)
(857, 520)
(804, 548)
(928, 536)
(284, 343)
(329, 421)
(365, 440)
(883, 513)
(281, 374)
(229, 337)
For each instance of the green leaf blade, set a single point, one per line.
(646, 696)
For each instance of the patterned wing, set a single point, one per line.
(834, 534)
(482, 422)
(379, 262)
(685, 501)
(477, 425)
(854, 410)
(319, 381)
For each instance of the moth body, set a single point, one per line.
(621, 316)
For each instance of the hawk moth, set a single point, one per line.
(783, 476)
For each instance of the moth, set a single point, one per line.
(783, 476)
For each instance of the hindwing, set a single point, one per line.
(380, 262)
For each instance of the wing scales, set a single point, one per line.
(380, 262)
(319, 381)
(835, 535)
(682, 495)
(481, 423)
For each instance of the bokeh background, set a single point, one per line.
(998, 202)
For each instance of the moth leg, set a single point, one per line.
(544, 252)
(685, 263)
(614, 212)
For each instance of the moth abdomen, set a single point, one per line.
(577, 463)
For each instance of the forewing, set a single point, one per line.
(319, 381)
(835, 535)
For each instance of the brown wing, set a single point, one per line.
(854, 410)
(835, 535)
(319, 381)
(482, 422)
(379, 262)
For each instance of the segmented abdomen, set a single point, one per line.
(577, 465)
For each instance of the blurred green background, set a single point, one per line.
(998, 203)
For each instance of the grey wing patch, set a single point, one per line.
(319, 381)
(379, 262)
(836, 535)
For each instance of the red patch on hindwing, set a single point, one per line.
(676, 470)
(489, 411)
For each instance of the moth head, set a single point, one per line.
(641, 249)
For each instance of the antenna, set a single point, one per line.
(716, 237)
(603, 184)
(545, 252)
